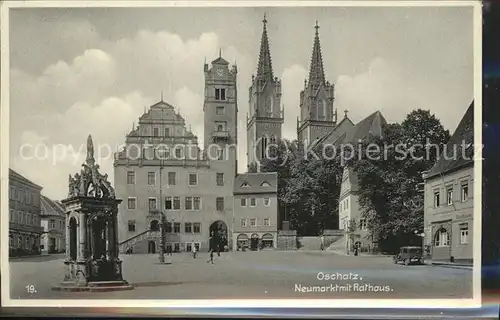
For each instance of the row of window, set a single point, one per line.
(252, 202)
(171, 227)
(24, 196)
(172, 178)
(17, 242)
(442, 237)
(176, 246)
(361, 226)
(174, 203)
(253, 222)
(163, 152)
(52, 224)
(24, 218)
(193, 203)
(464, 195)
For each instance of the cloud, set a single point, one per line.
(380, 87)
(102, 92)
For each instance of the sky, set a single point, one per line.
(81, 71)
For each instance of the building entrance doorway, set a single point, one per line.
(254, 242)
(151, 247)
(218, 234)
(52, 245)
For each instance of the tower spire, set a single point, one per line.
(264, 67)
(316, 71)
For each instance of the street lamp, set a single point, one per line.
(162, 238)
(421, 235)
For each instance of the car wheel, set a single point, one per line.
(407, 262)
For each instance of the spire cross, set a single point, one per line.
(265, 20)
(316, 26)
(345, 112)
(220, 52)
(161, 97)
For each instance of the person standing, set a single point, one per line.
(211, 259)
(193, 250)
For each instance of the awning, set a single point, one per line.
(267, 236)
(242, 237)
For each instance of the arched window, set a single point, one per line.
(263, 147)
(442, 238)
(20, 242)
(154, 225)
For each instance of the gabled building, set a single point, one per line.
(349, 208)
(53, 220)
(449, 197)
(255, 213)
(24, 215)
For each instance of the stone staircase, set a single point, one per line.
(139, 238)
(338, 246)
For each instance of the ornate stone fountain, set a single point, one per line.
(92, 262)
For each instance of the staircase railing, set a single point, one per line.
(130, 242)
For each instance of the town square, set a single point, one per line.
(251, 275)
(226, 176)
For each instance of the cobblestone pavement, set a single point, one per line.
(253, 275)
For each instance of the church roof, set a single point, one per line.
(264, 66)
(340, 129)
(260, 182)
(455, 159)
(316, 70)
(371, 125)
(50, 207)
(16, 176)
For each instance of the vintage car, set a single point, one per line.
(409, 255)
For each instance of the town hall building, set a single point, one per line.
(163, 175)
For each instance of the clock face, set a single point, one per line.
(220, 72)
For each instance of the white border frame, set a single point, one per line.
(296, 303)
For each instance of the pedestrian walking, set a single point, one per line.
(211, 256)
(193, 250)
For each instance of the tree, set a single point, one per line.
(308, 188)
(388, 194)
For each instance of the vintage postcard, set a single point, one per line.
(232, 153)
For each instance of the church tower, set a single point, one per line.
(265, 116)
(317, 116)
(220, 112)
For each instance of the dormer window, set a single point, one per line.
(265, 184)
(245, 185)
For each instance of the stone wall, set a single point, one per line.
(287, 240)
(331, 236)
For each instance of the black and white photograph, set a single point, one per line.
(200, 152)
